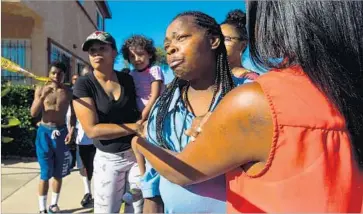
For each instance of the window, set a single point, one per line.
(79, 66)
(58, 54)
(99, 21)
(81, 2)
(18, 51)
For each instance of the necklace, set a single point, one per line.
(187, 102)
(184, 97)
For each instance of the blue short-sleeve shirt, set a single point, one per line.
(205, 197)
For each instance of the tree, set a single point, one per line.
(161, 58)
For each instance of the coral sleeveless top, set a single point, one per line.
(311, 167)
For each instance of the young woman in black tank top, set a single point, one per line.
(105, 105)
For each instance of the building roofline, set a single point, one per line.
(103, 5)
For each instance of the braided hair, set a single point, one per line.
(223, 79)
(237, 18)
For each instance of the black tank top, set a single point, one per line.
(122, 111)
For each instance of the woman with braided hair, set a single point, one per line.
(235, 39)
(292, 140)
(196, 53)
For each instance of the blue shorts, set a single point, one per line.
(53, 155)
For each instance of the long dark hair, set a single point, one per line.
(223, 79)
(326, 39)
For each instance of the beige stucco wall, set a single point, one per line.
(19, 22)
(11, 29)
(62, 21)
(65, 23)
(90, 7)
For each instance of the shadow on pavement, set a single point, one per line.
(14, 167)
(12, 161)
(20, 173)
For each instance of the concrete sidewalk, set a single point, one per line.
(19, 189)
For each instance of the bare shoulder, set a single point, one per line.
(249, 109)
(247, 99)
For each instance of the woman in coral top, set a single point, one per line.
(293, 140)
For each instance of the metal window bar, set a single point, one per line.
(18, 51)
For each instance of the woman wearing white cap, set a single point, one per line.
(105, 105)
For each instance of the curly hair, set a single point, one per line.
(237, 18)
(139, 41)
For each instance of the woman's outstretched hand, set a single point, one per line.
(197, 125)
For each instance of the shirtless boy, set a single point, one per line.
(52, 101)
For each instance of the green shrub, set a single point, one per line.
(17, 103)
(19, 95)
